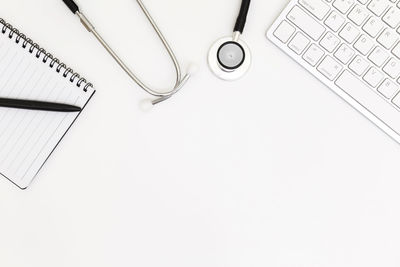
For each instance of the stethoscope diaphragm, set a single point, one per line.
(231, 55)
(229, 59)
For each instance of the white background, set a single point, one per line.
(273, 170)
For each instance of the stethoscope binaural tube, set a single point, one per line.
(160, 96)
(229, 58)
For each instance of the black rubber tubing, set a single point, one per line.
(241, 20)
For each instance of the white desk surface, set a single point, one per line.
(273, 170)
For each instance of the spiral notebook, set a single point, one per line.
(27, 137)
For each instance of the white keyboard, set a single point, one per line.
(352, 46)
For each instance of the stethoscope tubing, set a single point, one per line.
(161, 96)
(242, 17)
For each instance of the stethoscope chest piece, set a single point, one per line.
(229, 59)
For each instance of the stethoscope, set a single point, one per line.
(160, 95)
(229, 57)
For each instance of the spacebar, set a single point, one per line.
(369, 100)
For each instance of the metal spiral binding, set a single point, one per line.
(32, 46)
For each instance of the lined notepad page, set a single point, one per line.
(27, 138)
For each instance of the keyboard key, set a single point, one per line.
(306, 23)
(349, 33)
(330, 42)
(396, 50)
(378, 56)
(361, 93)
(373, 77)
(299, 43)
(388, 89)
(364, 45)
(284, 31)
(344, 54)
(343, 5)
(373, 26)
(358, 15)
(359, 65)
(313, 55)
(388, 38)
(396, 100)
(316, 7)
(334, 21)
(392, 68)
(392, 17)
(378, 6)
(329, 68)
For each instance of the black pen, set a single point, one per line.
(37, 105)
